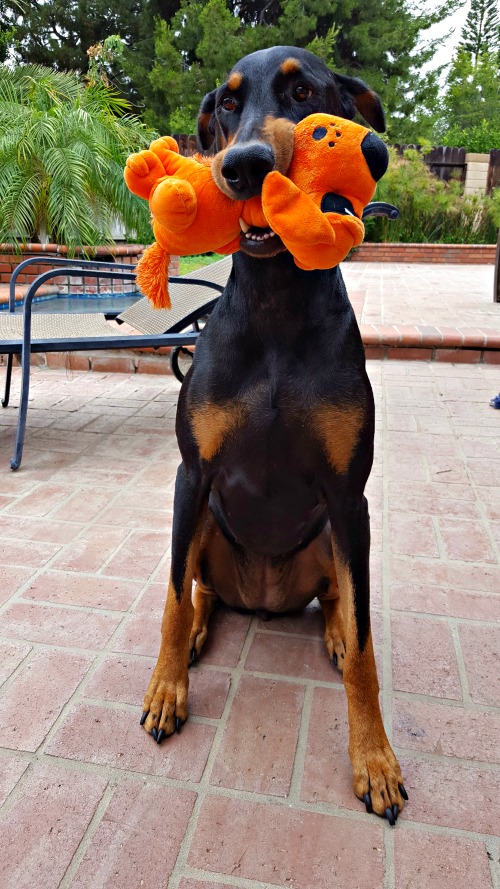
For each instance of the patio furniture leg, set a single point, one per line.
(23, 408)
(8, 377)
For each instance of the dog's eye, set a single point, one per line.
(302, 92)
(229, 104)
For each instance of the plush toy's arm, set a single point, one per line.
(144, 169)
(315, 239)
(142, 172)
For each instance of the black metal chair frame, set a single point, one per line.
(175, 336)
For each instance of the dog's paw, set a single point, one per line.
(378, 782)
(197, 640)
(165, 706)
(335, 647)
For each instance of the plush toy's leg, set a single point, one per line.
(299, 222)
(152, 276)
(142, 172)
(174, 204)
(316, 240)
(349, 231)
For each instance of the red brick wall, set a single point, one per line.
(10, 258)
(474, 254)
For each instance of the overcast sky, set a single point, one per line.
(455, 23)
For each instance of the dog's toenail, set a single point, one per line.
(390, 816)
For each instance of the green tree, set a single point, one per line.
(63, 147)
(7, 31)
(481, 32)
(381, 42)
(470, 105)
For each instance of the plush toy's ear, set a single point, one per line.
(206, 121)
(356, 95)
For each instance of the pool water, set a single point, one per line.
(83, 302)
(87, 302)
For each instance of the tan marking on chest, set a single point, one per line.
(338, 429)
(213, 424)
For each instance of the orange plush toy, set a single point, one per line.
(315, 209)
(190, 214)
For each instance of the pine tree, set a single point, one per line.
(481, 32)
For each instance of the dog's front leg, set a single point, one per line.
(377, 775)
(165, 702)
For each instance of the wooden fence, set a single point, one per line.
(446, 163)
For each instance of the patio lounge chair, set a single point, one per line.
(27, 332)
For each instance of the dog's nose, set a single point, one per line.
(245, 166)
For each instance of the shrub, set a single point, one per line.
(63, 146)
(431, 210)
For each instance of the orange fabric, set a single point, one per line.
(191, 215)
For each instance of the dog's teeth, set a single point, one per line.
(243, 225)
(349, 212)
(272, 234)
(248, 236)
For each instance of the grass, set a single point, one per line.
(191, 263)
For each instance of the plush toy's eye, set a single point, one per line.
(229, 104)
(302, 92)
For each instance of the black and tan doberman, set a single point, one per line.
(275, 426)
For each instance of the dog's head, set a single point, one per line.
(248, 120)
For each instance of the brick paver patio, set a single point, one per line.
(255, 791)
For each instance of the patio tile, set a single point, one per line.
(91, 662)
(11, 655)
(288, 656)
(278, 845)
(138, 557)
(481, 651)
(412, 535)
(11, 770)
(465, 540)
(58, 626)
(34, 699)
(20, 527)
(479, 578)
(42, 830)
(111, 737)
(266, 715)
(137, 841)
(124, 679)
(197, 884)
(91, 550)
(327, 774)
(448, 794)
(426, 859)
(13, 577)
(446, 731)
(41, 501)
(16, 552)
(448, 601)
(423, 657)
(66, 588)
(85, 504)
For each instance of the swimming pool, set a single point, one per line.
(81, 302)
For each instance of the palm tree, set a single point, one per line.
(63, 146)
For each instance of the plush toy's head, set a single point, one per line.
(337, 162)
(315, 209)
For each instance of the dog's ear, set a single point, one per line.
(206, 121)
(356, 95)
